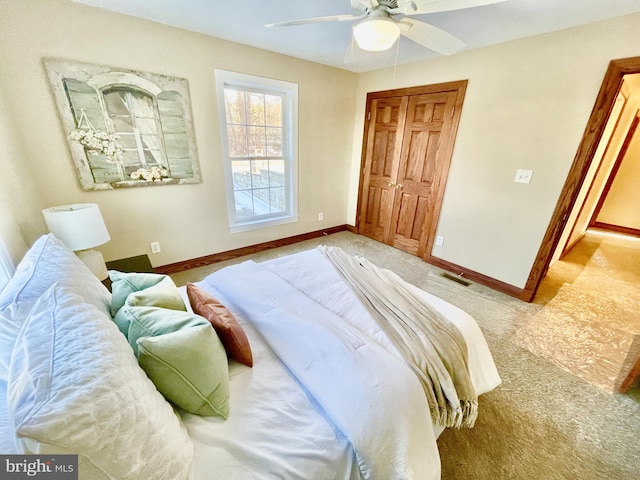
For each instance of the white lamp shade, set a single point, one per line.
(78, 226)
(376, 34)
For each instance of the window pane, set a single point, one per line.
(274, 142)
(122, 124)
(140, 104)
(131, 157)
(277, 200)
(237, 138)
(276, 173)
(241, 171)
(261, 202)
(234, 105)
(257, 141)
(273, 110)
(115, 103)
(152, 157)
(260, 171)
(147, 126)
(151, 142)
(127, 141)
(255, 108)
(244, 204)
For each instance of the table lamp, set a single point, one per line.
(80, 227)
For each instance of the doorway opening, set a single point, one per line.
(567, 225)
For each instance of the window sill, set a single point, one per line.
(255, 225)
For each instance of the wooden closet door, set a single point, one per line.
(382, 158)
(420, 170)
(407, 150)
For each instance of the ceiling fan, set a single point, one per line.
(383, 21)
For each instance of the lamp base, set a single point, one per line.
(95, 261)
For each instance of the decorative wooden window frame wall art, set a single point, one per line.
(125, 128)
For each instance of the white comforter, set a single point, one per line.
(345, 405)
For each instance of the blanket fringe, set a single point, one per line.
(462, 417)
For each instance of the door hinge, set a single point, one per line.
(453, 110)
(368, 115)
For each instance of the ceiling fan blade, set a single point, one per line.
(329, 18)
(430, 37)
(418, 7)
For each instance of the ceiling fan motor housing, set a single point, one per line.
(373, 5)
(389, 3)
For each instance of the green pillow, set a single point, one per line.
(189, 367)
(163, 294)
(123, 284)
(154, 321)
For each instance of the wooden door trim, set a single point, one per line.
(459, 87)
(605, 100)
(419, 90)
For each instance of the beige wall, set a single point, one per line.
(526, 106)
(188, 220)
(18, 227)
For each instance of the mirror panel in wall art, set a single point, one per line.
(125, 128)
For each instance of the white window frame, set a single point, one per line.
(289, 93)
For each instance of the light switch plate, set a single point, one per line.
(523, 176)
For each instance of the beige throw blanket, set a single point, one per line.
(431, 345)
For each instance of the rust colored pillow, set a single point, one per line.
(231, 334)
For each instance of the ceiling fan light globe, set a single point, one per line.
(376, 34)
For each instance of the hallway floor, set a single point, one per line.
(589, 321)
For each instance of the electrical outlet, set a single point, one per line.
(155, 247)
(439, 240)
(320, 216)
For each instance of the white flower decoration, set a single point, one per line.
(99, 142)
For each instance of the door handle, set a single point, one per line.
(392, 185)
(398, 186)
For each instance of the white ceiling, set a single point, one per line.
(243, 21)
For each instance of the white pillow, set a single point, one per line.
(76, 387)
(6, 432)
(47, 261)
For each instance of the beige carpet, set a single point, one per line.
(543, 422)
(589, 325)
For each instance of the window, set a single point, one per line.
(258, 119)
(136, 123)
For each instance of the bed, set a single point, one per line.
(328, 395)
